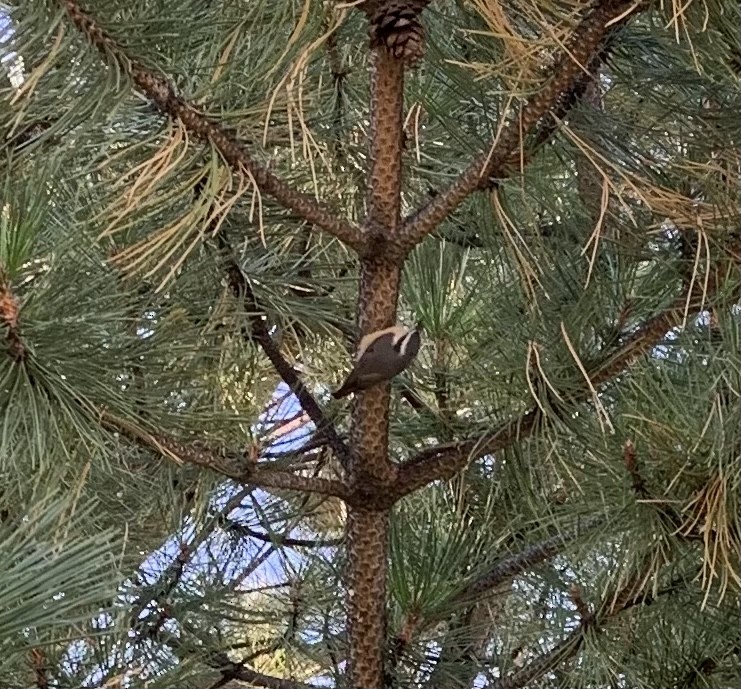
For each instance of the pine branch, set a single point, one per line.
(611, 606)
(539, 666)
(280, 539)
(444, 461)
(163, 96)
(501, 572)
(500, 158)
(238, 671)
(511, 566)
(231, 670)
(234, 467)
(242, 290)
(172, 576)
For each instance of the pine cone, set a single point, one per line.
(396, 25)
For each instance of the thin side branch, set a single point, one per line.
(514, 565)
(280, 539)
(560, 653)
(502, 571)
(238, 671)
(444, 461)
(40, 668)
(235, 467)
(611, 606)
(324, 428)
(163, 96)
(497, 161)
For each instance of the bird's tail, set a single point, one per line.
(344, 391)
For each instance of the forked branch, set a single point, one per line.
(163, 96)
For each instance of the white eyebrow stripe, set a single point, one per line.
(399, 337)
(398, 331)
(405, 342)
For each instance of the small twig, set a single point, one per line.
(582, 609)
(177, 570)
(38, 663)
(339, 75)
(400, 643)
(415, 401)
(280, 539)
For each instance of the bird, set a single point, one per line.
(381, 355)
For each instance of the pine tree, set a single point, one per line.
(205, 200)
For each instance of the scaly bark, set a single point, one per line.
(371, 473)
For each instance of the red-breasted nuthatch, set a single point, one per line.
(381, 356)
